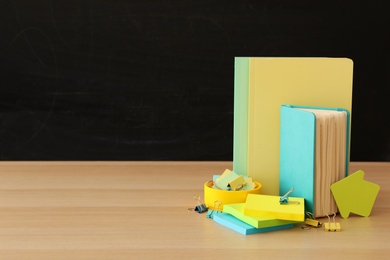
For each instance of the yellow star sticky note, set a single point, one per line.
(354, 195)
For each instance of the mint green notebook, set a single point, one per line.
(240, 126)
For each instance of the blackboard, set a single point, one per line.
(153, 80)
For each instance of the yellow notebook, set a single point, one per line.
(262, 85)
(268, 206)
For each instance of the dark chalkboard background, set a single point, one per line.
(153, 80)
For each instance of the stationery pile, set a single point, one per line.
(287, 148)
(261, 213)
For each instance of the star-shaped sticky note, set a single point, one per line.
(354, 195)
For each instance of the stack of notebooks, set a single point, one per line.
(284, 146)
(261, 213)
(261, 86)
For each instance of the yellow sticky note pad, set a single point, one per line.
(354, 194)
(268, 206)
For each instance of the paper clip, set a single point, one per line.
(215, 209)
(201, 207)
(284, 198)
(332, 226)
(311, 221)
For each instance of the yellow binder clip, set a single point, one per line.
(311, 221)
(332, 226)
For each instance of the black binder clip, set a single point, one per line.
(215, 209)
(201, 207)
(284, 198)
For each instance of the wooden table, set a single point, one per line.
(139, 210)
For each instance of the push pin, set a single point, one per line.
(284, 198)
(332, 226)
(215, 209)
(311, 221)
(201, 207)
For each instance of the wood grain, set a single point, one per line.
(139, 210)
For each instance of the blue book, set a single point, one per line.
(314, 153)
(239, 226)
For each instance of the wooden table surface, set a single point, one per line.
(139, 210)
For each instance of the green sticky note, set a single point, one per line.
(355, 195)
(229, 179)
